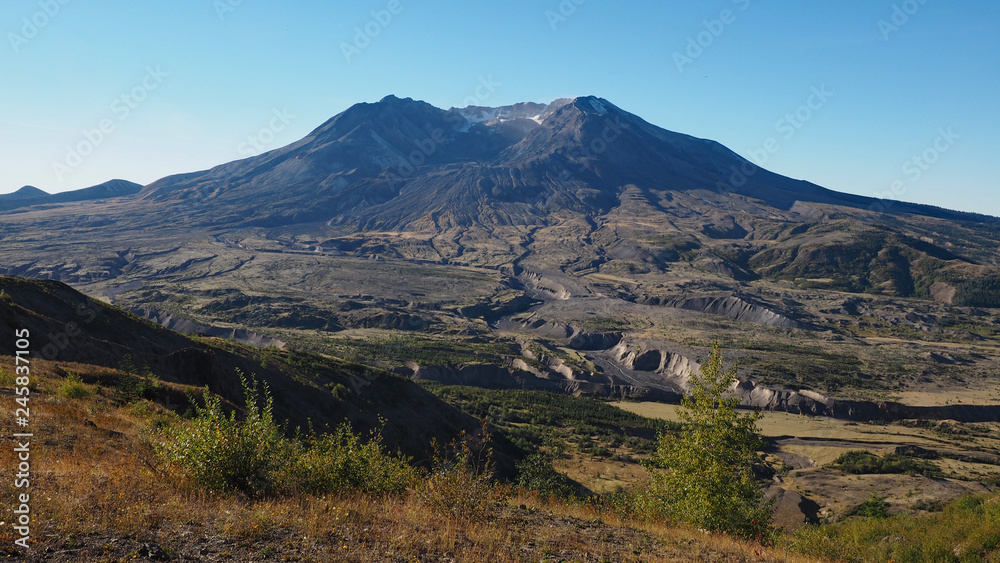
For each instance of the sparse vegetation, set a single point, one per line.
(967, 529)
(860, 462)
(461, 483)
(424, 350)
(555, 422)
(254, 456)
(535, 473)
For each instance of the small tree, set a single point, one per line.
(704, 475)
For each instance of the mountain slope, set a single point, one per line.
(498, 175)
(68, 327)
(26, 192)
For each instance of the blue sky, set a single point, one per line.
(886, 98)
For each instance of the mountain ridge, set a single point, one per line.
(362, 157)
(29, 195)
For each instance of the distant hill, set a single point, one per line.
(30, 195)
(27, 192)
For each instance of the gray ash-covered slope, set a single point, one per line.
(404, 164)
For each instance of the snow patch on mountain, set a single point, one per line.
(598, 106)
(536, 112)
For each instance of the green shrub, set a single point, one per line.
(860, 462)
(966, 530)
(341, 461)
(874, 507)
(253, 456)
(536, 473)
(225, 454)
(134, 384)
(73, 388)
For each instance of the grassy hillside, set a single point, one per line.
(309, 389)
(102, 493)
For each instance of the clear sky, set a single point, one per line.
(903, 93)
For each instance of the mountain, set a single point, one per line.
(497, 173)
(30, 195)
(570, 246)
(111, 188)
(395, 163)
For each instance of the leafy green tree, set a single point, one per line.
(703, 474)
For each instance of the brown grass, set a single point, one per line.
(99, 493)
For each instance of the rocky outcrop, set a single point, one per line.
(575, 336)
(583, 340)
(670, 365)
(543, 286)
(519, 375)
(797, 402)
(814, 404)
(732, 306)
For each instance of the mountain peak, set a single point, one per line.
(392, 99)
(26, 192)
(593, 104)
